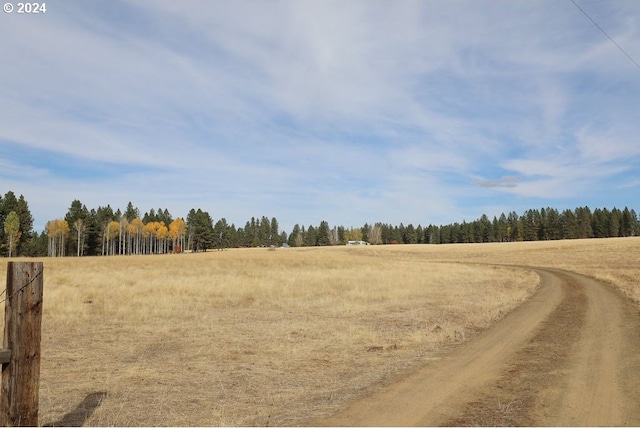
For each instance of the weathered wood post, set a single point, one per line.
(22, 332)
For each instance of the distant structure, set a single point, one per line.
(357, 243)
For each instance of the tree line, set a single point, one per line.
(103, 231)
(540, 225)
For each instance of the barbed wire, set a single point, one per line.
(4, 292)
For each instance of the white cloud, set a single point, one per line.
(371, 102)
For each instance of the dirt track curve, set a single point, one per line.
(570, 355)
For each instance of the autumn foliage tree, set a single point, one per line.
(10, 203)
(111, 231)
(57, 231)
(178, 232)
(80, 226)
(12, 231)
(108, 232)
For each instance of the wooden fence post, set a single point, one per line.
(22, 332)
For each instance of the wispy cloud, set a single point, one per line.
(350, 111)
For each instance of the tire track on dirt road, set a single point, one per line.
(569, 355)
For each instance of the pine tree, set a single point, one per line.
(310, 238)
(200, 229)
(553, 230)
(293, 236)
(568, 225)
(19, 205)
(322, 237)
(131, 212)
(275, 232)
(613, 226)
(628, 223)
(220, 238)
(583, 220)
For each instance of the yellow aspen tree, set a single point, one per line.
(57, 230)
(131, 233)
(112, 231)
(63, 232)
(156, 226)
(375, 235)
(12, 231)
(182, 233)
(122, 236)
(80, 227)
(173, 234)
(148, 233)
(178, 230)
(138, 225)
(162, 234)
(50, 228)
(354, 234)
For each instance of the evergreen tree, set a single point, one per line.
(310, 237)
(409, 235)
(132, 212)
(513, 227)
(163, 216)
(264, 232)
(583, 220)
(531, 224)
(501, 229)
(26, 222)
(275, 233)
(419, 235)
(293, 235)
(221, 234)
(93, 237)
(200, 230)
(234, 241)
(433, 235)
(554, 231)
(598, 224)
(323, 232)
(103, 216)
(240, 238)
(568, 225)
(77, 218)
(613, 226)
(9, 203)
(150, 217)
(36, 245)
(365, 232)
(628, 223)
(485, 229)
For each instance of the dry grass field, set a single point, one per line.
(257, 337)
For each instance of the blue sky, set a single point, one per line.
(345, 111)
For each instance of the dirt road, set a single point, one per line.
(570, 355)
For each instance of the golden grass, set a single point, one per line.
(613, 260)
(257, 337)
